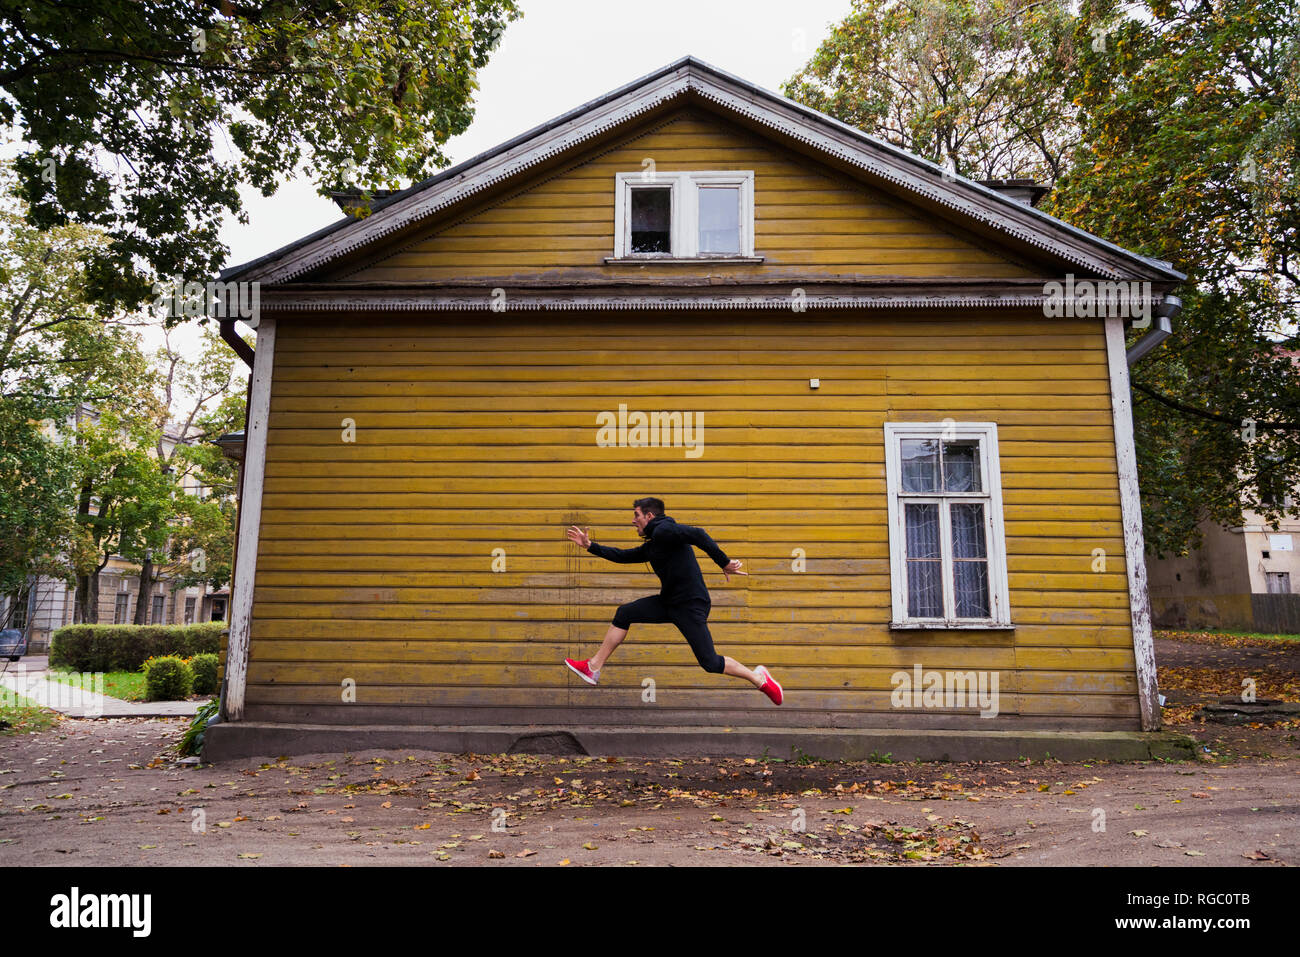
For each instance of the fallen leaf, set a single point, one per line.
(1256, 856)
(1194, 853)
(525, 853)
(496, 854)
(250, 856)
(590, 846)
(1138, 833)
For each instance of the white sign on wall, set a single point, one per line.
(1279, 543)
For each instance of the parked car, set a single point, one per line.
(12, 643)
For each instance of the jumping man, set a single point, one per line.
(682, 599)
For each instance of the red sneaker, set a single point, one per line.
(770, 687)
(582, 671)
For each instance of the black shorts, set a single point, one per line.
(690, 617)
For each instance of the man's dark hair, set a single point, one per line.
(652, 506)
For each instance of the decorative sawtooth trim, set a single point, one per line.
(419, 211)
(344, 303)
(870, 164)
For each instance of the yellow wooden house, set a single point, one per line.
(900, 397)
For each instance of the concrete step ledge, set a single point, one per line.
(247, 739)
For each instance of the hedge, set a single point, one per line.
(125, 647)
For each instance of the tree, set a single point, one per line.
(202, 551)
(969, 86)
(1189, 113)
(199, 525)
(123, 501)
(1169, 127)
(142, 117)
(35, 521)
(55, 355)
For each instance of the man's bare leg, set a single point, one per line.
(612, 639)
(734, 667)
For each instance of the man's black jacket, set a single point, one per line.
(668, 550)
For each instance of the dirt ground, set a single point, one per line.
(108, 791)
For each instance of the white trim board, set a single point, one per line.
(1131, 510)
(685, 189)
(250, 521)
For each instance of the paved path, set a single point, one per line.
(28, 678)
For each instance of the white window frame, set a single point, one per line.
(995, 535)
(685, 211)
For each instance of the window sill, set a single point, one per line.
(949, 626)
(651, 258)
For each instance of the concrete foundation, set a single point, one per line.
(247, 739)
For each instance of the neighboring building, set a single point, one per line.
(48, 604)
(1243, 578)
(853, 370)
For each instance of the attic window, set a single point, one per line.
(684, 215)
(652, 220)
(719, 219)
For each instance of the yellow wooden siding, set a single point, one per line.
(374, 558)
(809, 221)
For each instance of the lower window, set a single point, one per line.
(947, 547)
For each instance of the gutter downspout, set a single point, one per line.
(233, 340)
(1161, 330)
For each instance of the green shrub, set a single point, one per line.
(126, 647)
(205, 673)
(167, 679)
